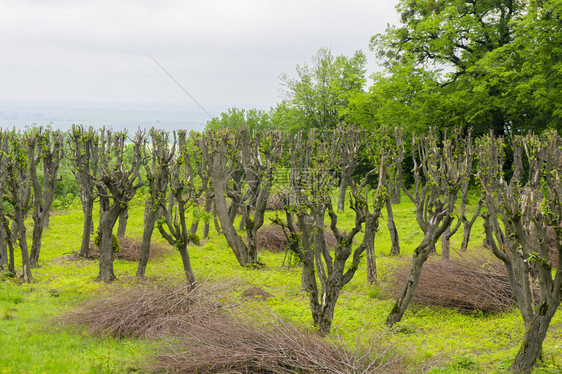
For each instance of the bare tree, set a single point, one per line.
(396, 158)
(307, 201)
(158, 176)
(518, 215)
(6, 235)
(242, 166)
(45, 147)
(439, 170)
(348, 151)
(16, 194)
(83, 153)
(188, 180)
(118, 181)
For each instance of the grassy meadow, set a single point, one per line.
(437, 340)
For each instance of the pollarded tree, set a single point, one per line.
(518, 215)
(45, 147)
(307, 200)
(158, 176)
(242, 167)
(439, 171)
(83, 153)
(117, 183)
(187, 182)
(6, 235)
(16, 193)
(349, 152)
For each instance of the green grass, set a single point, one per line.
(445, 340)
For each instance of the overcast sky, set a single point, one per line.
(224, 52)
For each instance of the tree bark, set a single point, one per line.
(446, 244)
(395, 249)
(467, 225)
(208, 207)
(3, 249)
(345, 178)
(150, 216)
(420, 256)
(531, 348)
(123, 218)
(188, 271)
(105, 232)
(88, 209)
(22, 241)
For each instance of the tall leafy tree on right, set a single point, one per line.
(493, 65)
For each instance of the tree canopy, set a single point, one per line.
(492, 65)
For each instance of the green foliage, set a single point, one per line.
(486, 64)
(321, 91)
(462, 363)
(194, 238)
(239, 118)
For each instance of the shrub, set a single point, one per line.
(115, 242)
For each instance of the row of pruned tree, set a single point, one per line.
(233, 174)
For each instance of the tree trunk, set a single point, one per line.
(420, 256)
(216, 219)
(531, 348)
(467, 228)
(395, 193)
(150, 216)
(105, 231)
(22, 241)
(88, 209)
(232, 238)
(446, 244)
(11, 261)
(345, 179)
(106, 273)
(3, 249)
(189, 277)
(325, 313)
(395, 249)
(371, 265)
(208, 206)
(36, 242)
(123, 218)
(467, 225)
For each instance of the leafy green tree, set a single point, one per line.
(321, 90)
(455, 50)
(529, 68)
(239, 118)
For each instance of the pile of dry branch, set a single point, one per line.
(271, 238)
(208, 340)
(241, 345)
(144, 311)
(463, 284)
(130, 250)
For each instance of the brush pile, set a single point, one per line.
(272, 238)
(466, 285)
(145, 311)
(130, 250)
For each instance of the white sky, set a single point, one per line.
(224, 52)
